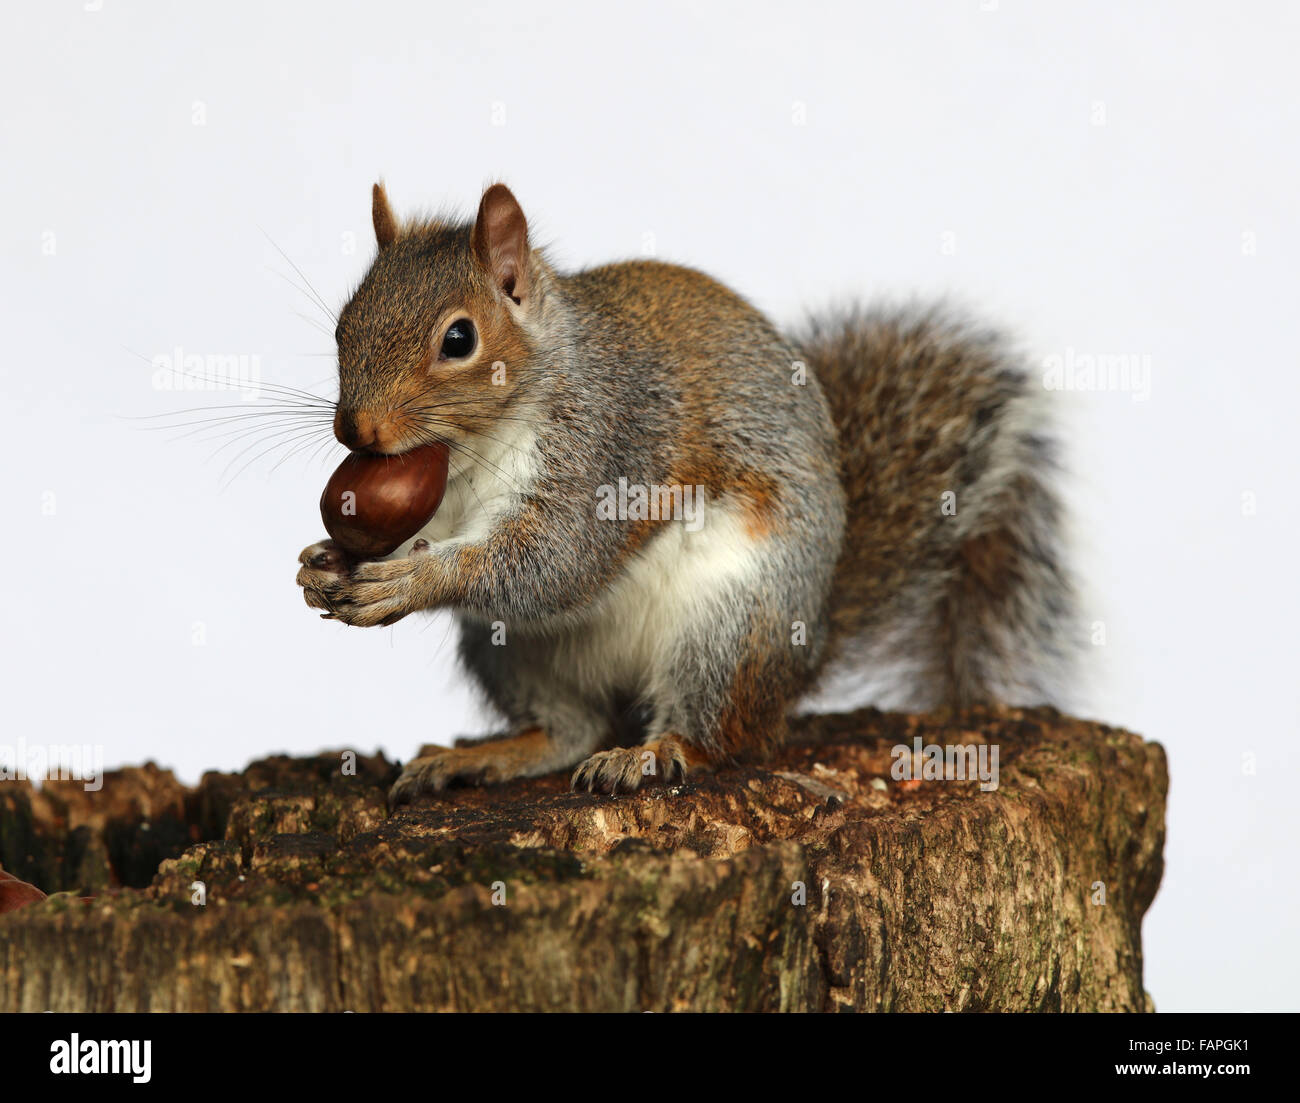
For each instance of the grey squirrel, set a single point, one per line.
(667, 521)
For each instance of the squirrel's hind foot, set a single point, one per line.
(626, 769)
(488, 762)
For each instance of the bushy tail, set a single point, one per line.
(951, 588)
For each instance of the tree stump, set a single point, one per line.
(818, 881)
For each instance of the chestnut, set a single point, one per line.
(373, 502)
(15, 894)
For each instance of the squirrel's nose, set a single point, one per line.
(354, 428)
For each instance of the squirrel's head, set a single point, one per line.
(437, 340)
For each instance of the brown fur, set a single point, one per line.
(754, 721)
(394, 317)
(382, 216)
(482, 763)
(662, 375)
(924, 406)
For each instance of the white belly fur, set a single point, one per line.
(684, 582)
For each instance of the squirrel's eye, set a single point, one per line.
(458, 341)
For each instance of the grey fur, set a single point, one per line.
(826, 546)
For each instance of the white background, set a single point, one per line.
(1104, 177)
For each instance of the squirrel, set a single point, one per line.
(667, 522)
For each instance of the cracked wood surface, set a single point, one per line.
(916, 895)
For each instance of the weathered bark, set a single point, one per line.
(930, 896)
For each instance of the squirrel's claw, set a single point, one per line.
(624, 769)
(364, 594)
(434, 771)
(327, 557)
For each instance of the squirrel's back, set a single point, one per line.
(701, 356)
(714, 389)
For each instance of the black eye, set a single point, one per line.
(458, 341)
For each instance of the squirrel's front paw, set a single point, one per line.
(324, 566)
(363, 593)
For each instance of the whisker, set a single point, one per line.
(213, 432)
(302, 275)
(506, 480)
(258, 437)
(278, 389)
(227, 482)
(267, 412)
(316, 324)
(297, 449)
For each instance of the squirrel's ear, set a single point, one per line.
(382, 214)
(500, 241)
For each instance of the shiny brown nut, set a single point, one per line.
(15, 894)
(373, 503)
